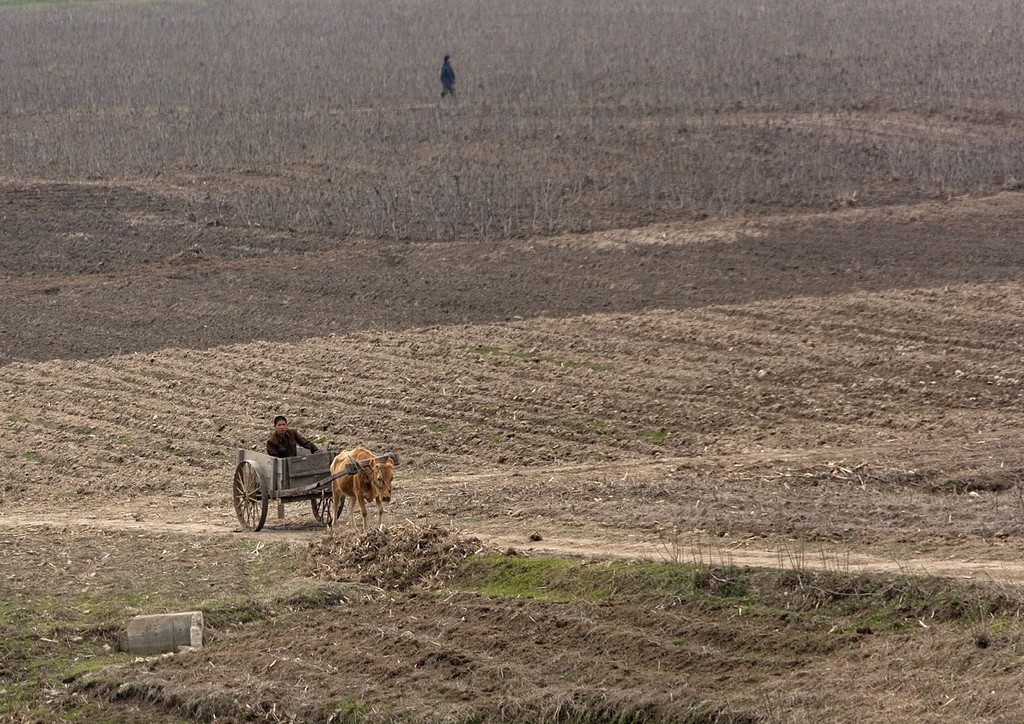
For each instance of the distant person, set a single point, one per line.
(284, 442)
(448, 79)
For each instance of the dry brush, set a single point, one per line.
(573, 116)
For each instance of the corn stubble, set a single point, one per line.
(571, 117)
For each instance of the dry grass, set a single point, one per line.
(398, 557)
(645, 111)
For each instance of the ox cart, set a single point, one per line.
(261, 478)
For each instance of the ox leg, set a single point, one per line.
(362, 509)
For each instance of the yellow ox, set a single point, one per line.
(361, 477)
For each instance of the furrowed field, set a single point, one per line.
(697, 328)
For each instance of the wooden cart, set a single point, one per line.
(261, 478)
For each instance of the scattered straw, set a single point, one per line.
(397, 558)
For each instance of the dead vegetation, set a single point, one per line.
(661, 111)
(398, 558)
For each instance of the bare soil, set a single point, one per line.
(840, 391)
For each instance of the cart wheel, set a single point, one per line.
(250, 495)
(322, 507)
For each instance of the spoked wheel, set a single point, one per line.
(250, 495)
(322, 505)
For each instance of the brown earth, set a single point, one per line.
(838, 391)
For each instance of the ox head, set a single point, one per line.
(387, 473)
(368, 477)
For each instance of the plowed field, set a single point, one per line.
(842, 391)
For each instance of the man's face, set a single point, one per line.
(281, 426)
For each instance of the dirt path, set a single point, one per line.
(580, 534)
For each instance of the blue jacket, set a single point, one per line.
(447, 75)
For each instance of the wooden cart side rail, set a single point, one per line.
(315, 485)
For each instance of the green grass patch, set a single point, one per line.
(346, 710)
(853, 602)
(656, 436)
(270, 563)
(566, 580)
(548, 578)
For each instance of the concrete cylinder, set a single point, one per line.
(163, 633)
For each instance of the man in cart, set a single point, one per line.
(284, 442)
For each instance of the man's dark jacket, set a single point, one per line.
(284, 446)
